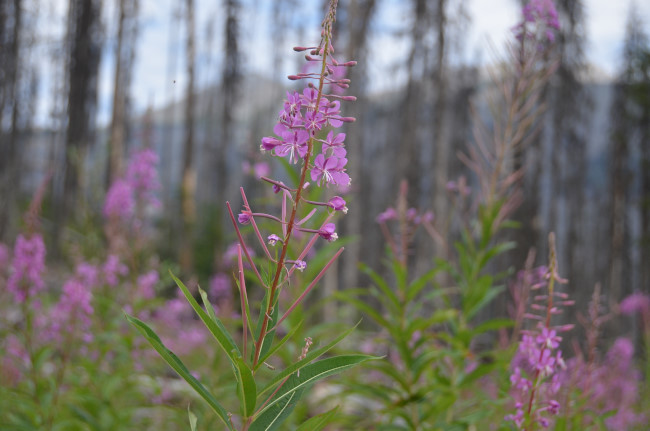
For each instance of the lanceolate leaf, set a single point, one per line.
(212, 323)
(310, 357)
(318, 422)
(268, 338)
(180, 368)
(312, 373)
(246, 388)
(279, 344)
(274, 416)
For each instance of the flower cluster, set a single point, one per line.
(71, 316)
(113, 269)
(535, 374)
(142, 175)
(542, 16)
(137, 188)
(536, 368)
(305, 114)
(610, 387)
(26, 279)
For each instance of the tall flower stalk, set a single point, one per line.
(535, 378)
(300, 137)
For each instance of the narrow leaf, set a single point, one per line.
(279, 344)
(246, 388)
(274, 416)
(180, 368)
(193, 419)
(318, 422)
(310, 357)
(310, 374)
(215, 326)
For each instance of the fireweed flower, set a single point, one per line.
(537, 365)
(146, 283)
(220, 287)
(305, 118)
(337, 203)
(26, 279)
(330, 170)
(540, 21)
(119, 202)
(335, 144)
(88, 274)
(71, 316)
(142, 175)
(113, 268)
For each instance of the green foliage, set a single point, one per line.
(432, 375)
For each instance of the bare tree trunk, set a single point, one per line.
(83, 68)
(124, 55)
(619, 183)
(188, 186)
(116, 140)
(441, 144)
(10, 33)
(360, 13)
(229, 89)
(410, 151)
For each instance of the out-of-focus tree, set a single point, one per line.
(127, 31)
(630, 115)
(570, 109)
(18, 83)
(230, 82)
(412, 104)
(84, 52)
(188, 186)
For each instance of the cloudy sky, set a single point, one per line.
(154, 78)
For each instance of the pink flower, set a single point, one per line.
(113, 268)
(330, 170)
(389, 214)
(26, 279)
(337, 203)
(328, 232)
(119, 202)
(335, 143)
(146, 284)
(548, 338)
(220, 287)
(637, 302)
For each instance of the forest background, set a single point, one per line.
(84, 83)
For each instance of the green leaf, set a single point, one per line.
(279, 344)
(246, 388)
(417, 285)
(393, 301)
(363, 307)
(193, 419)
(268, 338)
(489, 295)
(180, 368)
(310, 357)
(215, 326)
(312, 373)
(274, 416)
(207, 305)
(491, 325)
(318, 422)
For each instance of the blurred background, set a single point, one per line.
(84, 83)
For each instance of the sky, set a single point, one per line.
(154, 83)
